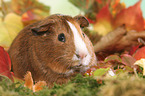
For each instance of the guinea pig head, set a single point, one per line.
(61, 46)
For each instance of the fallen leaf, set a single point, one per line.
(133, 49)
(83, 5)
(113, 58)
(9, 28)
(128, 60)
(104, 21)
(30, 83)
(39, 86)
(141, 63)
(28, 80)
(140, 53)
(5, 64)
(132, 18)
(32, 16)
(109, 41)
(118, 40)
(22, 6)
(100, 72)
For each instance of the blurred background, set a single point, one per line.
(104, 15)
(65, 7)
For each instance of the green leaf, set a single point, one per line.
(101, 71)
(112, 58)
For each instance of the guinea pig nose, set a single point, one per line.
(81, 55)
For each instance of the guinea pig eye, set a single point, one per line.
(83, 35)
(61, 37)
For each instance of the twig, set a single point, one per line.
(140, 40)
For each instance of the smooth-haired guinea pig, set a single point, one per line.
(53, 49)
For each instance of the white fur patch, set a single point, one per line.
(80, 46)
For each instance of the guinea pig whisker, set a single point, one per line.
(58, 58)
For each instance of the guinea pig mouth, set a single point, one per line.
(77, 66)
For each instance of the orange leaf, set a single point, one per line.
(116, 3)
(140, 53)
(99, 1)
(144, 24)
(39, 86)
(104, 14)
(27, 16)
(131, 17)
(28, 80)
(104, 21)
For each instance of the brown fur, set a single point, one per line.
(42, 54)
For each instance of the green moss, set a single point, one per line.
(123, 86)
(78, 86)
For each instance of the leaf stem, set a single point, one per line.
(140, 40)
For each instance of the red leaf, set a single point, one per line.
(28, 16)
(117, 2)
(91, 21)
(128, 60)
(104, 14)
(140, 53)
(133, 49)
(5, 63)
(144, 24)
(99, 1)
(131, 17)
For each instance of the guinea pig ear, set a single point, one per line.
(82, 21)
(42, 27)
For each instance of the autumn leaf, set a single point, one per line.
(5, 64)
(144, 24)
(128, 60)
(28, 80)
(113, 58)
(140, 53)
(83, 5)
(32, 16)
(39, 86)
(104, 21)
(118, 40)
(116, 7)
(9, 28)
(22, 6)
(133, 49)
(131, 17)
(141, 63)
(30, 83)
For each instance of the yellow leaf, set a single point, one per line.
(141, 63)
(103, 27)
(9, 28)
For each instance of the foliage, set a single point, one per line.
(16, 15)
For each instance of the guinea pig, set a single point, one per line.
(53, 49)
